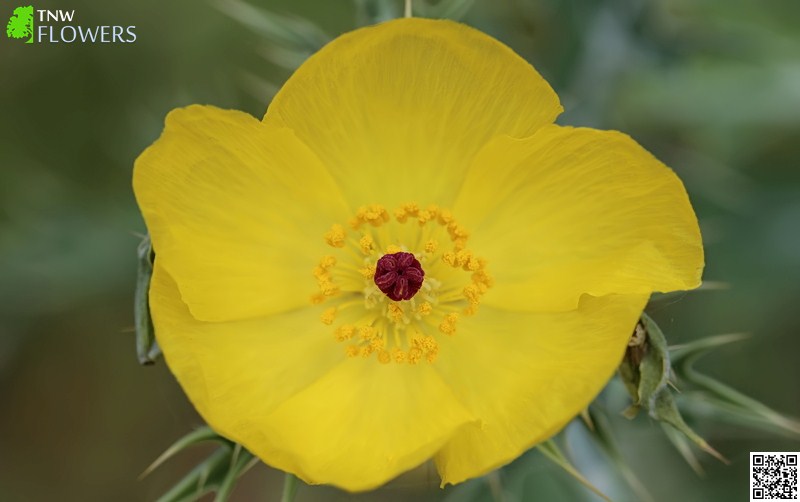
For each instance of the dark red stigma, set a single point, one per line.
(399, 275)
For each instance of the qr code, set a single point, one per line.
(773, 476)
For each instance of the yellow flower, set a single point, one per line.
(405, 259)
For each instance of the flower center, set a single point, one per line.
(379, 298)
(399, 275)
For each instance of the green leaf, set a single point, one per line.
(376, 11)
(728, 403)
(710, 406)
(665, 410)
(290, 483)
(147, 349)
(197, 436)
(683, 446)
(653, 392)
(443, 9)
(600, 429)
(217, 473)
(241, 462)
(203, 479)
(551, 450)
(288, 31)
(679, 353)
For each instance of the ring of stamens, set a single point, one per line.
(367, 320)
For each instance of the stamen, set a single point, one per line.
(378, 299)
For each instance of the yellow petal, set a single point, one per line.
(359, 426)
(235, 371)
(396, 111)
(237, 211)
(284, 389)
(572, 211)
(525, 375)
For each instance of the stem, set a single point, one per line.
(408, 8)
(289, 487)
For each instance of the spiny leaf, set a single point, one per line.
(290, 484)
(376, 11)
(443, 9)
(241, 462)
(681, 444)
(285, 57)
(733, 405)
(709, 407)
(202, 479)
(665, 410)
(147, 350)
(279, 29)
(678, 353)
(653, 386)
(554, 453)
(197, 436)
(601, 432)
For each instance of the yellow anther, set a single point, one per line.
(335, 236)
(428, 344)
(482, 278)
(400, 214)
(327, 288)
(374, 214)
(377, 344)
(455, 230)
(411, 208)
(448, 325)
(366, 244)
(368, 271)
(462, 258)
(328, 316)
(396, 313)
(344, 332)
(430, 348)
(321, 274)
(424, 217)
(445, 217)
(473, 294)
(366, 333)
(397, 331)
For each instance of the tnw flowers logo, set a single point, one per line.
(20, 25)
(56, 26)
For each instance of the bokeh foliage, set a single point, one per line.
(712, 87)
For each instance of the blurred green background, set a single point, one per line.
(711, 87)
